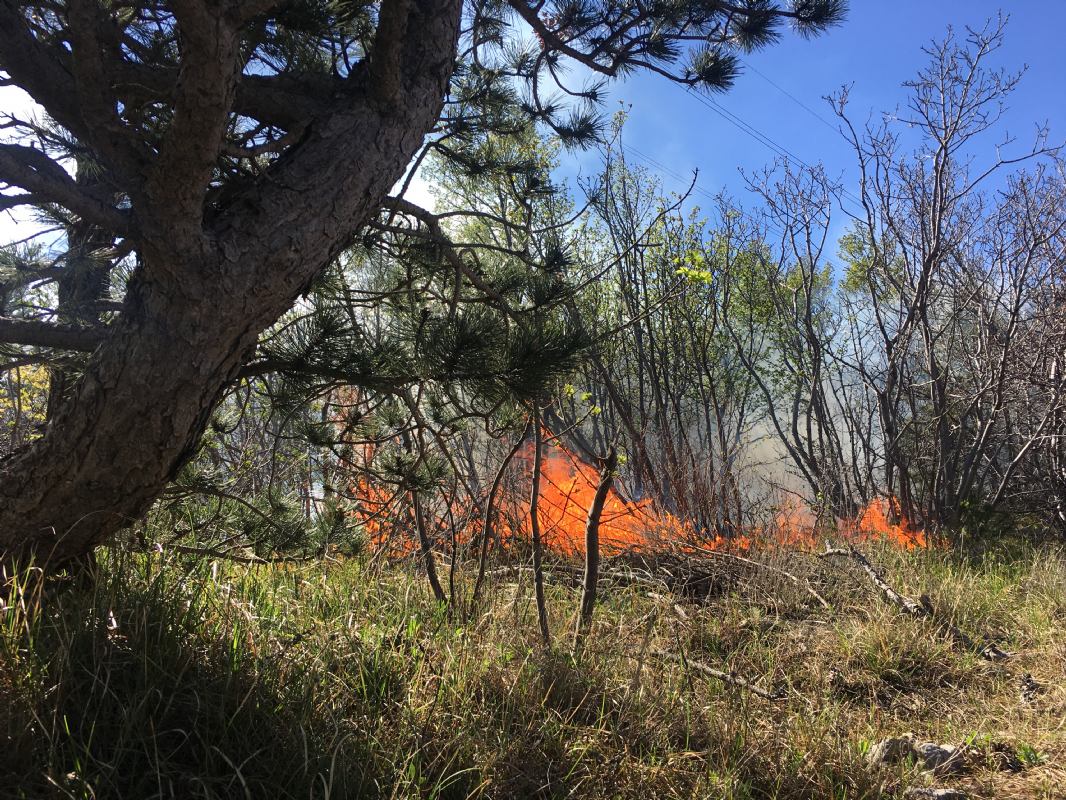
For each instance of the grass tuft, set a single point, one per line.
(175, 678)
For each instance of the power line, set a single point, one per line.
(672, 173)
(750, 130)
(794, 99)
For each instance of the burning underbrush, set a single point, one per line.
(626, 525)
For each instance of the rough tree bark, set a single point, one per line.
(208, 281)
(82, 284)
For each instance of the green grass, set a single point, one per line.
(175, 678)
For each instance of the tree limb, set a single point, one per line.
(32, 170)
(725, 677)
(37, 68)
(34, 333)
(919, 609)
(101, 126)
(387, 55)
(204, 93)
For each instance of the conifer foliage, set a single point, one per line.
(208, 160)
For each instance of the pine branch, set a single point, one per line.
(44, 334)
(32, 170)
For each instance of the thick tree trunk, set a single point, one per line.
(84, 282)
(201, 297)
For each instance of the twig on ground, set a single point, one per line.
(795, 579)
(726, 677)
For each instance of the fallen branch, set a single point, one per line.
(572, 575)
(237, 558)
(920, 609)
(758, 564)
(726, 677)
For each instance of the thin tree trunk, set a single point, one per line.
(534, 528)
(490, 507)
(429, 561)
(592, 548)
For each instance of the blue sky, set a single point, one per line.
(876, 49)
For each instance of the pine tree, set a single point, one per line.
(237, 147)
(437, 326)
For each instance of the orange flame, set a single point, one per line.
(568, 486)
(881, 520)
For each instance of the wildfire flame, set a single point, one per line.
(568, 485)
(882, 518)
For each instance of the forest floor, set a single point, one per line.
(174, 677)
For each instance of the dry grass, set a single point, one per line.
(177, 679)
